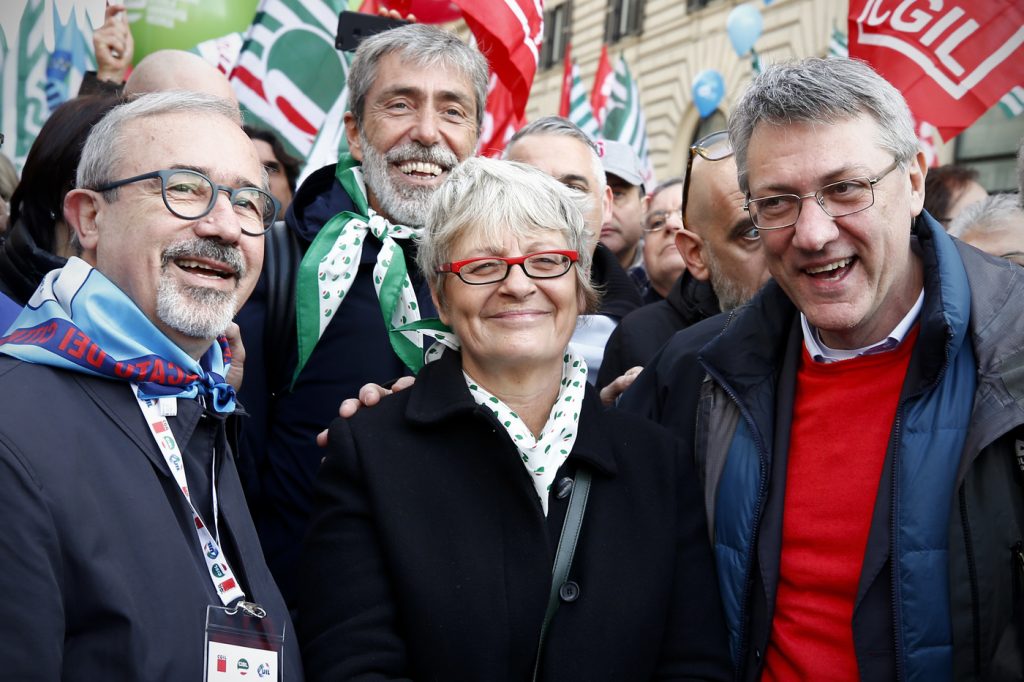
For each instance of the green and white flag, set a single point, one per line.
(837, 45)
(580, 112)
(1012, 103)
(290, 78)
(31, 110)
(625, 120)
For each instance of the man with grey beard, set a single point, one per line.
(416, 105)
(127, 529)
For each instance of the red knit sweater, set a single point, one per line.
(842, 419)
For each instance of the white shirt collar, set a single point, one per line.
(822, 353)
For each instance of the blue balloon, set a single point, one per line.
(744, 25)
(708, 91)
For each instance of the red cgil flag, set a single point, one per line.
(951, 64)
(509, 33)
(602, 87)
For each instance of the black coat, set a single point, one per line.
(429, 557)
(644, 331)
(100, 572)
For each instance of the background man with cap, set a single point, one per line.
(622, 230)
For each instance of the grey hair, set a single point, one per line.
(423, 46)
(105, 149)
(1020, 172)
(991, 213)
(558, 125)
(489, 200)
(822, 91)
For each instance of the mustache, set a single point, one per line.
(414, 151)
(211, 249)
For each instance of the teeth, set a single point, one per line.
(830, 267)
(185, 263)
(420, 167)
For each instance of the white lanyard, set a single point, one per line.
(217, 567)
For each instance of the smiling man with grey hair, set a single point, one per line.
(317, 331)
(858, 423)
(128, 524)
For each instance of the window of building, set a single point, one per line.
(625, 18)
(694, 5)
(557, 34)
(990, 146)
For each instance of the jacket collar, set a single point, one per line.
(440, 394)
(753, 344)
(693, 299)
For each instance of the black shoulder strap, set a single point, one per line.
(280, 266)
(563, 556)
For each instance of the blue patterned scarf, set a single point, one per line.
(80, 321)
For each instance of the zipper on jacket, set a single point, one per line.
(894, 562)
(748, 574)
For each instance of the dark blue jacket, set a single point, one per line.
(949, 515)
(279, 440)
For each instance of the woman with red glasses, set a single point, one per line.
(493, 522)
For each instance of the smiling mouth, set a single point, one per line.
(208, 270)
(833, 270)
(420, 169)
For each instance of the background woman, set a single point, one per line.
(440, 510)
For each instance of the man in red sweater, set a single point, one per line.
(858, 424)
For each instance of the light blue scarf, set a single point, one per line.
(80, 321)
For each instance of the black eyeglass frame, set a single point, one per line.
(819, 198)
(703, 147)
(455, 267)
(232, 192)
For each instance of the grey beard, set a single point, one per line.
(730, 294)
(401, 204)
(197, 312)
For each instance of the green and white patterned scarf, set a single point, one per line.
(542, 456)
(329, 267)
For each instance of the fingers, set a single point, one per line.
(611, 392)
(403, 383)
(321, 438)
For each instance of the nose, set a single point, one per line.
(517, 284)
(221, 222)
(426, 131)
(814, 228)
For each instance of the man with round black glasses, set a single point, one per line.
(126, 534)
(859, 423)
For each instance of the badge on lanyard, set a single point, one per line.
(242, 644)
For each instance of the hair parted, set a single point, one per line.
(420, 45)
(487, 200)
(105, 149)
(824, 91)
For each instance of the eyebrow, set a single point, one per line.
(573, 177)
(842, 173)
(238, 180)
(419, 93)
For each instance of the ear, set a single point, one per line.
(355, 146)
(691, 248)
(645, 205)
(918, 171)
(606, 203)
(439, 306)
(81, 207)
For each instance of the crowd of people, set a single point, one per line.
(433, 416)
